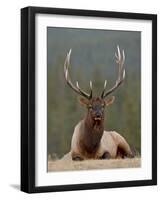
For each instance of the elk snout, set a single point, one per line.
(98, 115)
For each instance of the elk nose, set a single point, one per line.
(98, 114)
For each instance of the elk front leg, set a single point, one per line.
(76, 157)
(106, 155)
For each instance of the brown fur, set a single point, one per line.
(90, 141)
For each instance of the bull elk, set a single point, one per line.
(90, 140)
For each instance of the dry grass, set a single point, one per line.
(68, 165)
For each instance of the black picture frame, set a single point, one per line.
(28, 98)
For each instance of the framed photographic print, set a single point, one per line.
(88, 99)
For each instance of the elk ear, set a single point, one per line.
(109, 101)
(83, 101)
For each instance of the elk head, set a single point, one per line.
(96, 105)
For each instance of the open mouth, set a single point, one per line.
(97, 118)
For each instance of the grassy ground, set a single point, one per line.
(67, 165)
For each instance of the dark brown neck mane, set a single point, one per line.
(91, 134)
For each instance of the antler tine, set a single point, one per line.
(76, 88)
(120, 59)
(104, 88)
(81, 92)
(90, 85)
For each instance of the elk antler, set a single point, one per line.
(76, 88)
(120, 59)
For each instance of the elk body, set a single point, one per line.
(90, 140)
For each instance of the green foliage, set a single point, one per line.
(92, 59)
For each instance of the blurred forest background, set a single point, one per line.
(92, 59)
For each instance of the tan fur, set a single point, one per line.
(110, 142)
